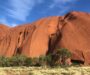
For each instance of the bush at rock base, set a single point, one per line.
(60, 57)
(57, 59)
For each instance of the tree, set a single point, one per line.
(61, 55)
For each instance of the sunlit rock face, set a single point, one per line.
(38, 41)
(71, 31)
(3, 30)
(76, 35)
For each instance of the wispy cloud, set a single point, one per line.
(17, 10)
(20, 9)
(6, 22)
(64, 5)
(13, 24)
(61, 3)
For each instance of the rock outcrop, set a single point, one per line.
(71, 31)
(76, 35)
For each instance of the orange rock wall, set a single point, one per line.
(71, 31)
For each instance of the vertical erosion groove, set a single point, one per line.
(54, 39)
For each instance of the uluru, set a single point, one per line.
(71, 31)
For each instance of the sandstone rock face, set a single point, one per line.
(76, 35)
(11, 43)
(38, 43)
(71, 31)
(3, 30)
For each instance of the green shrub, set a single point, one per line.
(35, 61)
(28, 61)
(42, 60)
(45, 60)
(49, 59)
(60, 57)
(4, 62)
(18, 60)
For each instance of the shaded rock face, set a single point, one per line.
(71, 31)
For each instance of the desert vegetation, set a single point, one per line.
(54, 59)
(51, 64)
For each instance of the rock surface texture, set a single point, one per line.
(71, 31)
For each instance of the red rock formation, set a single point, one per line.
(76, 35)
(3, 30)
(37, 43)
(11, 43)
(71, 31)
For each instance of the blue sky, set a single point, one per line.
(16, 12)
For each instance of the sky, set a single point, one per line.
(17, 12)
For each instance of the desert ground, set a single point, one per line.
(44, 71)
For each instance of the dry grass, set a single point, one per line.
(44, 71)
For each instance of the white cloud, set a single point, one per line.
(60, 3)
(64, 5)
(5, 22)
(20, 9)
(63, 1)
(13, 24)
